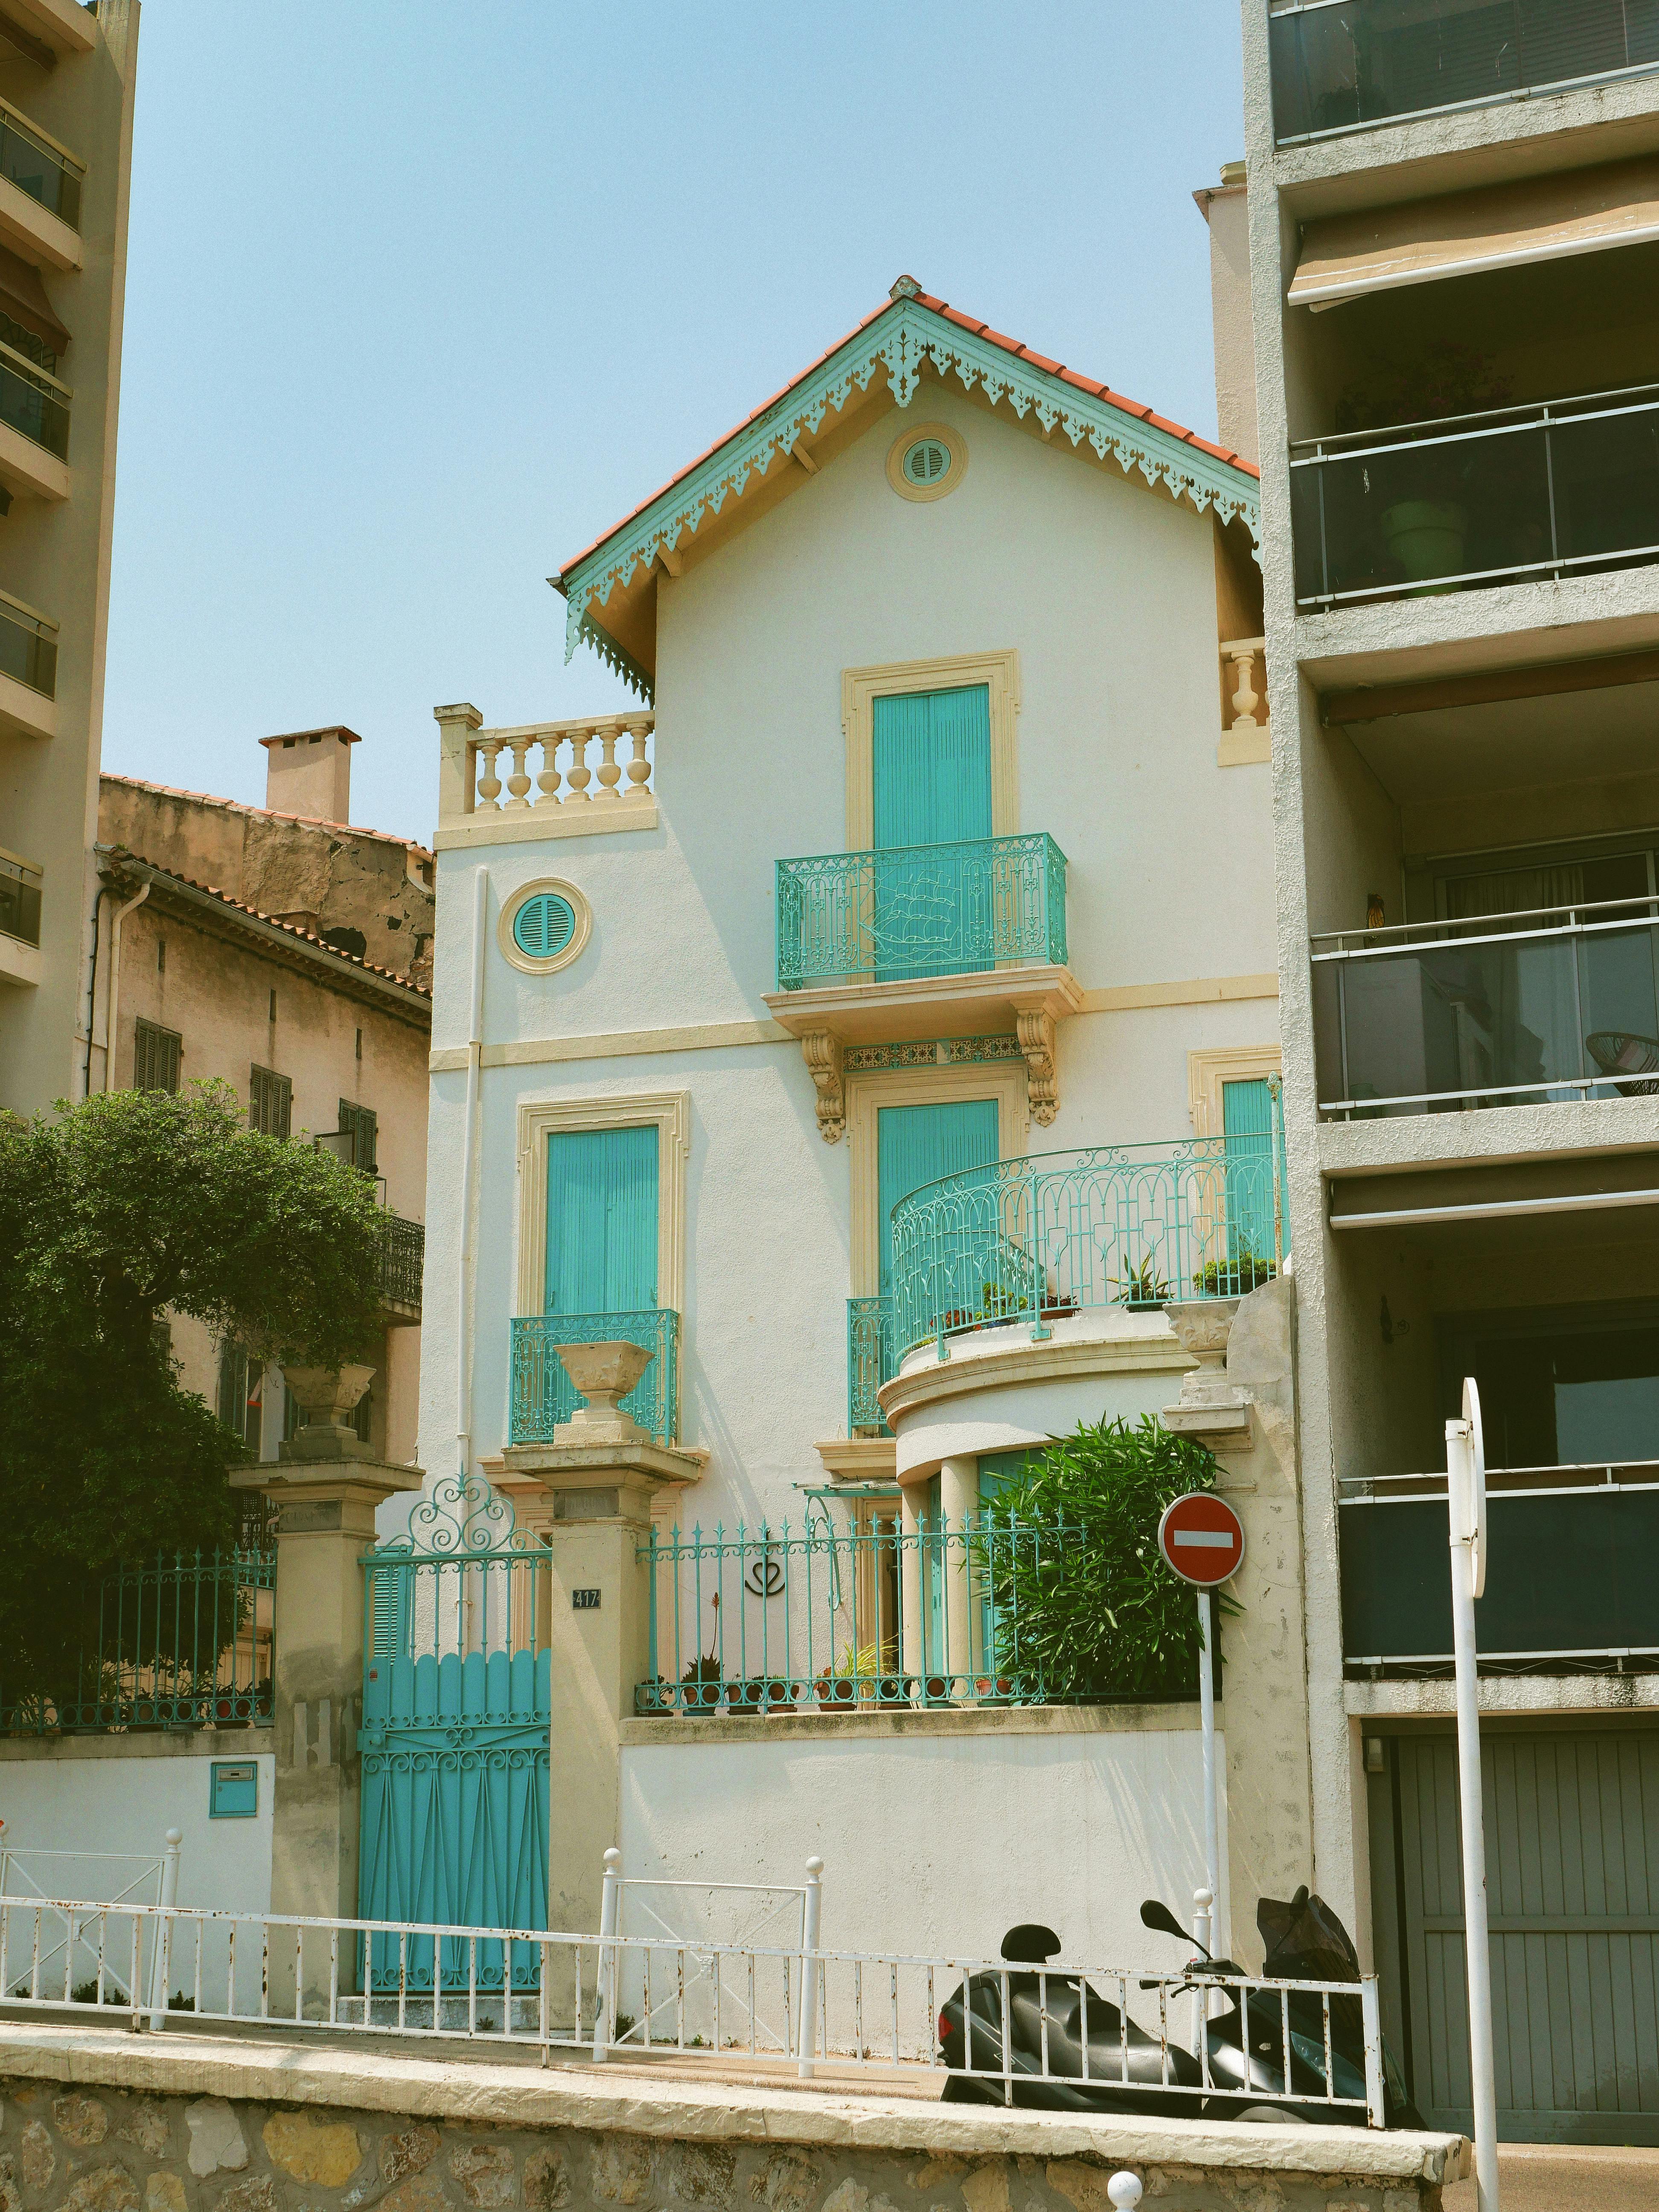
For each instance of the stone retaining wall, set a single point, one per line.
(103, 2132)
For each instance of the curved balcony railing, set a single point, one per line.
(1030, 1241)
(1377, 61)
(544, 1397)
(920, 910)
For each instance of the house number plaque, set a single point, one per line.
(585, 1601)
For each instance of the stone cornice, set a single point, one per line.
(1039, 1362)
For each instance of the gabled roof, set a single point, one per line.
(890, 348)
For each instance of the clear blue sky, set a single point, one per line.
(422, 297)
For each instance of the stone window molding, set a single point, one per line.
(916, 434)
(1208, 1069)
(528, 963)
(669, 1111)
(999, 671)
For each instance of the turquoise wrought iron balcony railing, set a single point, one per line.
(1025, 1242)
(30, 161)
(1494, 1010)
(1374, 61)
(186, 1642)
(920, 910)
(29, 648)
(543, 1396)
(1567, 487)
(843, 1619)
(871, 1361)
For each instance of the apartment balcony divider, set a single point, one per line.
(544, 1398)
(1551, 489)
(1569, 1575)
(1339, 68)
(19, 899)
(1557, 1004)
(916, 911)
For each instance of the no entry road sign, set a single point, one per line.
(1201, 1538)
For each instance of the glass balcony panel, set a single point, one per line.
(1373, 61)
(20, 900)
(32, 407)
(1607, 484)
(40, 170)
(28, 653)
(1547, 1007)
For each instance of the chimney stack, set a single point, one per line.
(1222, 208)
(309, 773)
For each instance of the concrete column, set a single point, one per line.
(958, 1495)
(913, 1503)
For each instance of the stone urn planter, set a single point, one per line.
(328, 1397)
(602, 1373)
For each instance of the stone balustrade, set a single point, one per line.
(1244, 707)
(565, 775)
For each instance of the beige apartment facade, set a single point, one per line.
(1455, 339)
(66, 105)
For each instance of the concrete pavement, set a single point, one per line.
(1568, 2177)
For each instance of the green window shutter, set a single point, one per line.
(930, 766)
(602, 1220)
(1247, 1128)
(916, 1144)
(271, 1102)
(156, 1056)
(360, 1123)
(544, 924)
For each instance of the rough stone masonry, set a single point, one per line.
(420, 2136)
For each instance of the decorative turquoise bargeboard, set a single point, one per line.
(544, 1397)
(920, 910)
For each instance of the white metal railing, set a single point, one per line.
(1243, 707)
(613, 1995)
(498, 762)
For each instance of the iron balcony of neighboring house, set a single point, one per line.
(914, 912)
(403, 1255)
(1569, 1575)
(1031, 1244)
(1347, 67)
(19, 899)
(1494, 1010)
(543, 1398)
(1516, 494)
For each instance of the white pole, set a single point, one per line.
(161, 1948)
(812, 1925)
(1204, 1933)
(605, 1988)
(1465, 1478)
(1207, 1711)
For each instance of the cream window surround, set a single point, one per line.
(1209, 1068)
(539, 1119)
(862, 687)
(866, 1094)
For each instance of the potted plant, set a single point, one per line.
(744, 1697)
(1426, 533)
(778, 1696)
(1144, 1290)
(700, 1686)
(1236, 1277)
(855, 1680)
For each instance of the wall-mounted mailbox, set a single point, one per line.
(233, 1789)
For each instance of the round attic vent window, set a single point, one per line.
(926, 461)
(544, 924)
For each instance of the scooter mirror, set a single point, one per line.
(1156, 1914)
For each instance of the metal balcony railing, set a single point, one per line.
(19, 899)
(1561, 487)
(920, 910)
(29, 648)
(33, 402)
(1027, 1242)
(30, 161)
(1496, 1010)
(871, 1361)
(1341, 67)
(542, 1395)
(403, 1258)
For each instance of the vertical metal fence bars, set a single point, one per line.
(542, 1395)
(845, 1619)
(184, 1642)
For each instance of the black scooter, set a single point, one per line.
(1303, 1941)
(1045, 2012)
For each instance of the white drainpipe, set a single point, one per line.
(469, 1150)
(112, 994)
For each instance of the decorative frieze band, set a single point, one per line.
(829, 1063)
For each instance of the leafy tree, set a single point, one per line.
(1094, 1606)
(114, 1212)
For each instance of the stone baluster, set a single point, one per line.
(610, 773)
(489, 784)
(579, 774)
(639, 769)
(548, 778)
(1246, 699)
(518, 783)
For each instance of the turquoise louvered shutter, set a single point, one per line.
(930, 766)
(916, 1144)
(602, 1220)
(544, 924)
(1248, 1133)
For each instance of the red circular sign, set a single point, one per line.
(1201, 1538)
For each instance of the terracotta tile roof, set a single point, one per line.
(119, 853)
(950, 315)
(241, 806)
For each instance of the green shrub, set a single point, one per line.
(1235, 1278)
(1095, 1610)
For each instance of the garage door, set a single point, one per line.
(1572, 1876)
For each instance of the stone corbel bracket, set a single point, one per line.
(821, 1051)
(1034, 1028)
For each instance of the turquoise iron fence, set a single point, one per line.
(185, 1643)
(1030, 1241)
(920, 910)
(844, 1618)
(543, 1396)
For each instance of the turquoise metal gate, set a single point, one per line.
(454, 1738)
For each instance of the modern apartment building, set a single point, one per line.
(1454, 222)
(66, 101)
